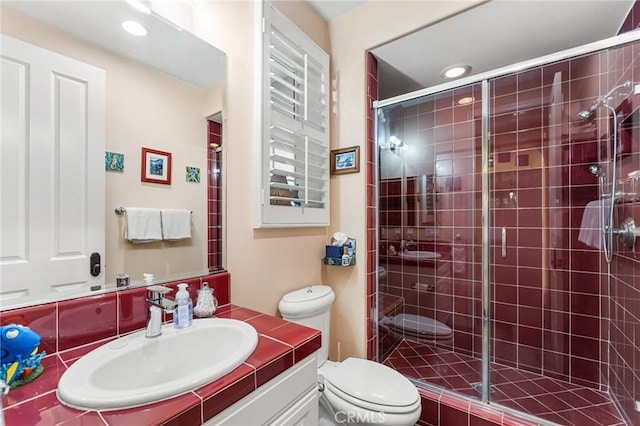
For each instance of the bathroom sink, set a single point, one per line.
(420, 255)
(135, 370)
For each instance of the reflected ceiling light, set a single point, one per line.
(139, 6)
(135, 28)
(395, 143)
(466, 100)
(455, 71)
(395, 140)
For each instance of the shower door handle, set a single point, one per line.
(504, 242)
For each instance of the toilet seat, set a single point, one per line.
(370, 385)
(420, 326)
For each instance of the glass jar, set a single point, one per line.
(206, 304)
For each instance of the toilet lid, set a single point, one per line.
(419, 325)
(306, 302)
(307, 294)
(372, 383)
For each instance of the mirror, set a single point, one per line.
(161, 92)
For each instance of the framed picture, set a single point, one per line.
(114, 161)
(345, 160)
(156, 166)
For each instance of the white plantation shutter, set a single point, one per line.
(294, 161)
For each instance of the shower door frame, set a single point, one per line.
(483, 78)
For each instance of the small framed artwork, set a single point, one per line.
(193, 174)
(345, 160)
(113, 161)
(156, 166)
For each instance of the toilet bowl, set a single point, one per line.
(355, 391)
(419, 328)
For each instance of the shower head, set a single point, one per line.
(587, 114)
(596, 170)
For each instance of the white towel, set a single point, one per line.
(143, 225)
(590, 227)
(176, 224)
(459, 257)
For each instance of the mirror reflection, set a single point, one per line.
(162, 92)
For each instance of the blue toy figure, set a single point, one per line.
(20, 360)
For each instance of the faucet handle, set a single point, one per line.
(155, 292)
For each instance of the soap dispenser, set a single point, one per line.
(183, 314)
(206, 304)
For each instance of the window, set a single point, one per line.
(293, 155)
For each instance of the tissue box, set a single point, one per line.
(333, 251)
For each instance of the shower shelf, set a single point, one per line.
(628, 190)
(334, 261)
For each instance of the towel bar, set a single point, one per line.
(121, 210)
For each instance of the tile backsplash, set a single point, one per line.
(71, 323)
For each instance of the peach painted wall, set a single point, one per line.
(169, 116)
(264, 263)
(267, 263)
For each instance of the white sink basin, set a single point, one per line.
(420, 255)
(135, 370)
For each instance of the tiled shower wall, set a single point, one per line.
(624, 303)
(370, 158)
(550, 292)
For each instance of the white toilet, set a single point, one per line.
(419, 328)
(356, 391)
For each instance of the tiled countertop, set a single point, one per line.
(281, 344)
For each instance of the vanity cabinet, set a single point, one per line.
(290, 398)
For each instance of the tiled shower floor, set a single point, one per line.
(549, 399)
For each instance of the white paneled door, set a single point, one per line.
(51, 172)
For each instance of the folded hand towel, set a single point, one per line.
(176, 224)
(143, 225)
(590, 227)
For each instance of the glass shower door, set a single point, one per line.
(546, 334)
(430, 154)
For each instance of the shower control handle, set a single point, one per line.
(504, 242)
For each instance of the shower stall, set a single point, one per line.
(500, 275)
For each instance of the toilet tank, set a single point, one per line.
(311, 306)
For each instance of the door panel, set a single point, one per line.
(52, 211)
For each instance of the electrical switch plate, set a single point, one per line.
(636, 405)
(636, 89)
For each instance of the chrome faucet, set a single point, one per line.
(157, 303)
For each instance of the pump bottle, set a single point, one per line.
(183, 314)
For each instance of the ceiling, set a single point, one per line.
(183, 55)
(486, 37)
(329, 9)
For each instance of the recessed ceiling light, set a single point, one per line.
(456, 71)
(466, 100)
(135, 28)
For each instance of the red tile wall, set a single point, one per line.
(441, 409)
(371, 252)
(214, 196)
(624, 303)
(550, 294)
(633, 19)
(71, 323)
